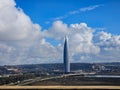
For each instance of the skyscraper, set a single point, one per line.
(66, 56)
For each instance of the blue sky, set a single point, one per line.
(44, 11)
(33, 31)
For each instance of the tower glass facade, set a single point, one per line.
(66, 56)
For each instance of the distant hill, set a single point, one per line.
(59, 66)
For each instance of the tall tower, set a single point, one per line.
(66, 56)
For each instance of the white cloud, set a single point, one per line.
(83, 9)
(60, 17)
(89, 8)
(14, 23)
(85, 46)
(107, 39)
(22, 41)
(6, 4)
(43, 50)
(57, 31)
(102, 29)
(102, 36)
(5, 48)
(80, 36)
(109, 45)
(17, 31)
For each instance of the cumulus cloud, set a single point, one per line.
(84, 44)
(109, 45)
(79, 35)
(81, 38)
(14, 21)
(57, 31)
(17, 34)
(107, 39)
(22, 41)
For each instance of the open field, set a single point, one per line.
(78, 81)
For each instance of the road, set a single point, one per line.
(30, 81)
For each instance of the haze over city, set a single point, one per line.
(33, 31)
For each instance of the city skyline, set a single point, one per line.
(33, 31)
